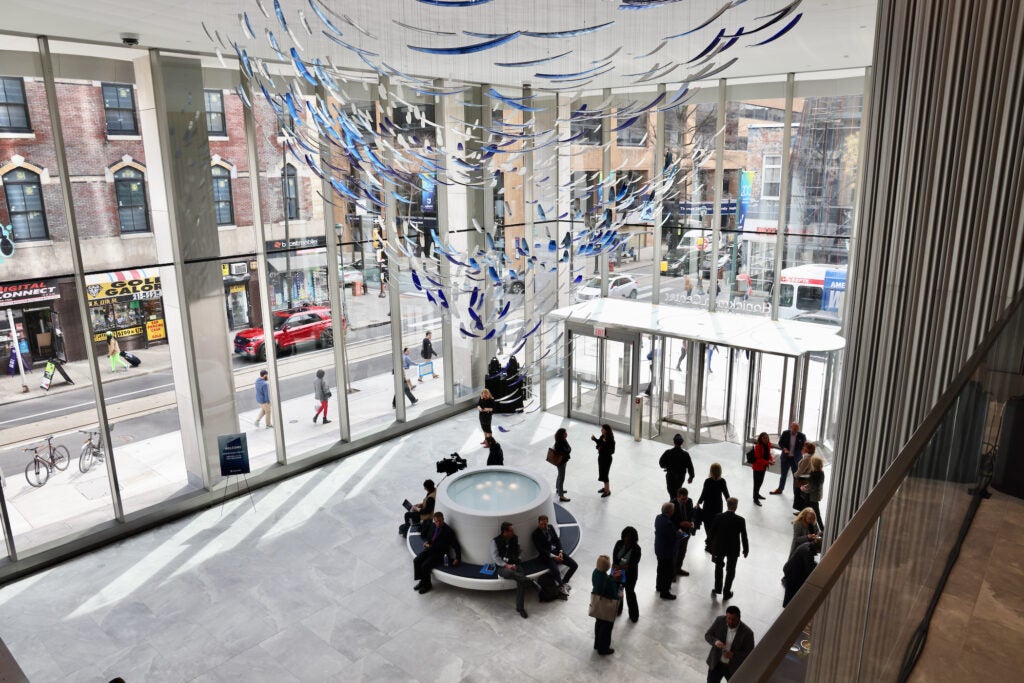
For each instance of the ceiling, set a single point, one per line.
(831, 34)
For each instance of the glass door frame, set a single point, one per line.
(618, 335)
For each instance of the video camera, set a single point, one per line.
(452, 464)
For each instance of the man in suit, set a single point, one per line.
(549, 550)
(442, 540)
(725, 534)
(666, 539)
(677, 464)
(731, 642)
(684, 519)
(792, 443)
(505, 554)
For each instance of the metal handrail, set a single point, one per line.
(775, 643)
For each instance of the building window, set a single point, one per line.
(13, 107)
(589, 128)
(119, 108)
(215, 124)
(131, 200)
(25, 205)
(222, 203)
(290, 190)
(634, 135)
(771, 176)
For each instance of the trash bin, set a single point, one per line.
(357, 288)
(636, 417)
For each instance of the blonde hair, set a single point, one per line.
(486, 393)
(805, 517)
(817, 463)
(715, 471)
(604, 563)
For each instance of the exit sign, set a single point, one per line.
(599, 332)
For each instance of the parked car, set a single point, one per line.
(679, 261)
(292, 327)
(622, 286)
(350, 273)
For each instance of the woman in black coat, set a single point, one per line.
(495, 456)
(562, 446)
(486, 408)
(626, 557)
(605, 448)
(712, 497)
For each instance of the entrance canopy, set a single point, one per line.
(782, 337)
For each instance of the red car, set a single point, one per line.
(292, 326)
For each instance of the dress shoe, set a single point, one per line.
(634, 619)
(609, 651)
(726, 595)
(418, 586)
(326, 421)
(665, 595)
(314, 418)
(425, 589)
(522, 613)
(776, 492)
(715, 591)
(683, 572)
(563, 499)
(601, 490)
(606, 494)
(760, 497)
(757, 503)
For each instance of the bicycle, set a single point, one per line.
(91, 452)
(37, 471)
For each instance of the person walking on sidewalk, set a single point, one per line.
(428, 353)
(114, 353)
(263, 398)
(321, 394)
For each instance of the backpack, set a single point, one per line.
(548, 590)
(750, 457)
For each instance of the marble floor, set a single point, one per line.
(307, 580)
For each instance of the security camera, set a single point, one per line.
(130, 39)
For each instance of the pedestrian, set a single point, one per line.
(726, 533)
(604, 586)
(407, 368)
(428, 353)
(688, 286)
(321, 394)
(666, 542)
(677, 464)
(798, 567)
(605, 445)
(682, 354)
(744, 277)
(711, 352)
(731, 642)
(791, 442)
(406, 389)
(562, 446)
(683, 516)
(626, 560)
(495, 456)
(263, 398)
(805, 529)
(114, 353)
(485, 406)
(800, 477)
(712, 496)
(815, 488)
(762, 460)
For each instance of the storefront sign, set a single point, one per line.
(102, 292)
(124, 332)
(48, 375)
(18, 293)
(297, 243)
(236, 289)
(155, 330)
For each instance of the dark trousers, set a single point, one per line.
(791, 588)
(813, 504)
(522, 581)
(758, 482)
(718, 672)
(603, 635)
(560, 479)
(672, 483)
(729, 562)
(786, 463)
(423, 563)
(799, 498)
(681, 552)
(552, 566)
(666, 570)
(630, 591)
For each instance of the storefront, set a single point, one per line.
(30, 306)
(298, 272)
(128, 303)
(239, 299)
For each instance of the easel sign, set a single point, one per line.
(234, 454)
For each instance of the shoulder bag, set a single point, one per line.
(555, 457)
(603, 608)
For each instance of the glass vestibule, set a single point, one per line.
(603, 376)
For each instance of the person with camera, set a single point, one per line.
(505, 554)
(440, 542)
(549, 549)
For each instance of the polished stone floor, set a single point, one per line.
(309, 581)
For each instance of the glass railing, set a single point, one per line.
(863, 614)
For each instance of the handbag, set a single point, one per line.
(328, 394)
(554, 457)
(603, 608)
(750, 457)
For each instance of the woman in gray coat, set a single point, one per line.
(322, 394)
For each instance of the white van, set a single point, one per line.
(811, 287)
